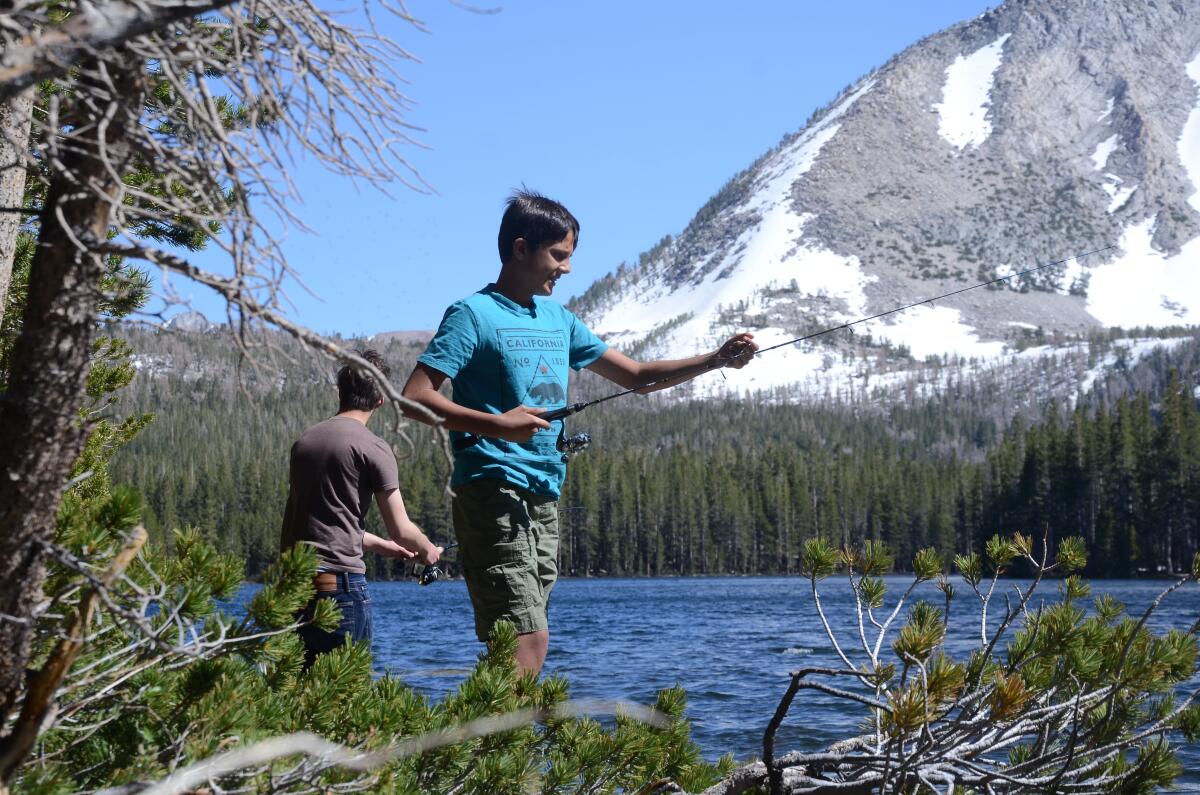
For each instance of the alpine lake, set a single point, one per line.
(731, 642)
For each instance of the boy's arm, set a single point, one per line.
(631, 374)
(515, 425)
(386, 547)
(402, 529)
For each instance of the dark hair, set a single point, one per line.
(539, 220)
(356, 388)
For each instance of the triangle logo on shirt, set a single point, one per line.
(544, 389)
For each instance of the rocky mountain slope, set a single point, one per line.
(1040, 130)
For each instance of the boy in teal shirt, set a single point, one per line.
(506, 350)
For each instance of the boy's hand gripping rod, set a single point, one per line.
(575, 408)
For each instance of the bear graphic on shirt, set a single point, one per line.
(544, 389)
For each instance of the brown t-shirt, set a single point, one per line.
(337, 466)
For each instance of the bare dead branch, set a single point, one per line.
(330, 753)
(40, 53)
(239, 94)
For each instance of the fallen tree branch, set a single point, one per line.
(331, 753)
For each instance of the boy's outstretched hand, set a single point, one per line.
(737, 351)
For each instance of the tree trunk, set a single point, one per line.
(40, 429)
(14, 140)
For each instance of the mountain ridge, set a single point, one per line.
(1031, 133)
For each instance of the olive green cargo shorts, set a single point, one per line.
(508, 546)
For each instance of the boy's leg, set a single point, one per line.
(532, 647)
(508, 540)
(531, 650)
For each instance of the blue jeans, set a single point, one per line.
(352, 600)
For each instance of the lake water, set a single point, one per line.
(729, 641)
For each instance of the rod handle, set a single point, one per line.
(565, 411)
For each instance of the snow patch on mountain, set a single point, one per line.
(785, 367)
(966, 96)
(814, 371)
(1144, 286)
(1131, 351)
(932, 330)
(795, 159)
(769, 254)
(1118, 195)
(807, 369)
(1073, 275)
(1108, 109)
(1104, 150)
(1189, 142)
(925, 330)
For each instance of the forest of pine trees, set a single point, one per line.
(713, 487)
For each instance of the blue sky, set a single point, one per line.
(631, 113)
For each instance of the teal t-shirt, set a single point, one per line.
(499, 355)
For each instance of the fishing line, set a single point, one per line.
(575, 408)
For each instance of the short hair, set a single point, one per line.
(357, 389)
(539, 220)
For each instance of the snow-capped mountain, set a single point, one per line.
(190, 322)
(1038, 131)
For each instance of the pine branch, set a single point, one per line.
(38, 705)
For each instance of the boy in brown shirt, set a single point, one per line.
(337, 466)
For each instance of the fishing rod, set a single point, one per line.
(715, 362)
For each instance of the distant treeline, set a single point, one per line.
(715, 487)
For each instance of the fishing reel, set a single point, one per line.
(431, 574)
(570, 445)
(434, 573)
